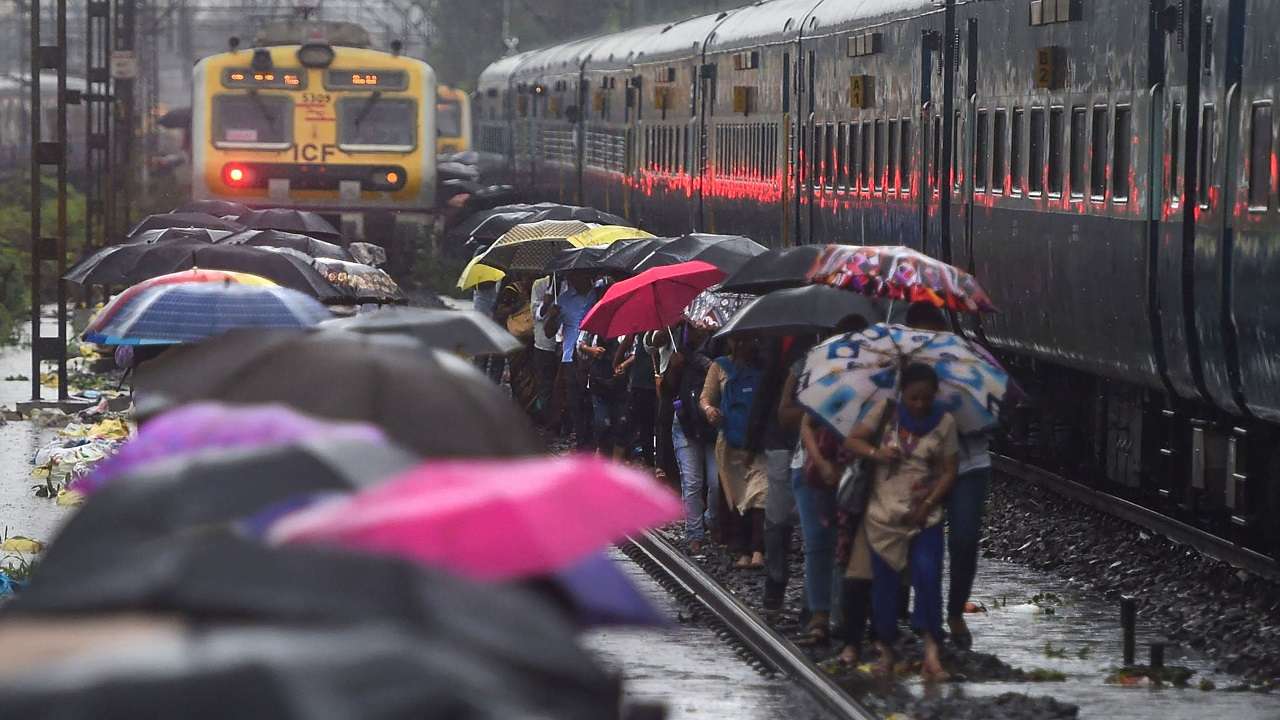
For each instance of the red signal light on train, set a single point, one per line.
(235, 174)
(392, 177)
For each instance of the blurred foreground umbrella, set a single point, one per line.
(652, 300)
(295, 221)
(900, 273)
(490, 520)
(201, 426)
(188, 234)
(183, 220)
(433, 403)
(375, 671)
(712, 309)
(775, 270)
(187, 312)
(129, 264)
(295, 241)
(600, 593)
(727, 252)
(365, 283)
(217, 208)
(804, 310)
(462, 331)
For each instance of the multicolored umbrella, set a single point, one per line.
(652, 300)
(899, 273)
(490, 520)
(195, 275)
(846, 375)
(187, 312)
(208, 425)
(713, 309)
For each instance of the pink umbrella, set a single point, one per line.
(203, 426)
(652, 300)
(490, 520)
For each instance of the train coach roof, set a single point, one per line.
(682, 39)
(500, 71)
(837, 14)
(563, 58)
(763, 23)
(620, 49)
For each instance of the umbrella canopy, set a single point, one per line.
(476, 273)
(367, 253)
(129, 264)
(556, 211)
(189, 234)
(606, 235)
(208, 425)
(465, 332)
(295, 241)
(652, 300)
(795, 311)
(176, 119)
(727, 252)
(295, 221)
(900, 273)
(434, 403)
(712, 309)
(600, 593)
(775, 270)
(583, 259)
(469, 516)
(196, 275)
(365, 283)
(187, 312)
(183, 220)
(528, 247)
(624, 255)
(846, 375)
(217, 208)
(489, 225)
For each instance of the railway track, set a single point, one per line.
(760, 645)
(1207, 543)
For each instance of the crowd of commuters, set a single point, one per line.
(721, 415)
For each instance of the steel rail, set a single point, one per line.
(775, 651)
(1179, 532)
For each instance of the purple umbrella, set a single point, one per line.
(598, 593)
(207, 425)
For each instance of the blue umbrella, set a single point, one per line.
(188, 312)
(600, 593)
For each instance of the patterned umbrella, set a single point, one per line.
(195, 275)
(531, 245)
(712, 309)
(177, 313)
(846, 375)
(899, 273)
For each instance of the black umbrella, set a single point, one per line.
(365, 283)
(294, 241)
(217, 208)
(220, 485)
(129, 264)
(727, 252)
(183, 220)
(774, 270)
(624, 255)
(295, 221)
(493, 225)
(795, 311)
(176, 119)
(433, 403)
(462, 331)
(491, 196)
(163, 235)
(556, 211)
(449, 170)
(578, 259)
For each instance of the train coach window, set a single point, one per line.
(1121, 156)
(1208, 138)
(935, 158)
(892, 184)
(829, 156)
(1015, 153)
(842, 145)
(1175, 155)
(1056, 129)
(252, 121)
(1260, 143)
(1079, 140)
(377, 124)
(877, 167)
(904, 149)
(1098, 170)
(956, 177)
(981, 152)
(998, 154)
(851, 158)
(866, 152)
(1035, 153)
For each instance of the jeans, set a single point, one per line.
(818, 527)
(924, 563)
(965, 507)
(779, 508)
(640, 414)
(605, 421)
(697, 461)
(579, 406)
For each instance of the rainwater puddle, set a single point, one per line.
(689, 669)
(1083, 635)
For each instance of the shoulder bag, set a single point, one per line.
(855, 484)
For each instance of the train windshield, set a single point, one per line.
(252, 121)
(449, 118)
(377, 124)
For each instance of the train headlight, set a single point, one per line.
(236, 175)
(315, 55)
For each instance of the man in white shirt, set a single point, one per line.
(546, 355)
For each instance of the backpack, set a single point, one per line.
(736, 400)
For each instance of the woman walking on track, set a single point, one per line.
(915, 447)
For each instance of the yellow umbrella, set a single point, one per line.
(605, 235)
(475, 273)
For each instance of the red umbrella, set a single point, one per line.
(652, 300)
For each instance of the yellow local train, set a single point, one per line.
(312, 118)
(453, 120)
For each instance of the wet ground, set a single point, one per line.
(689, 670)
